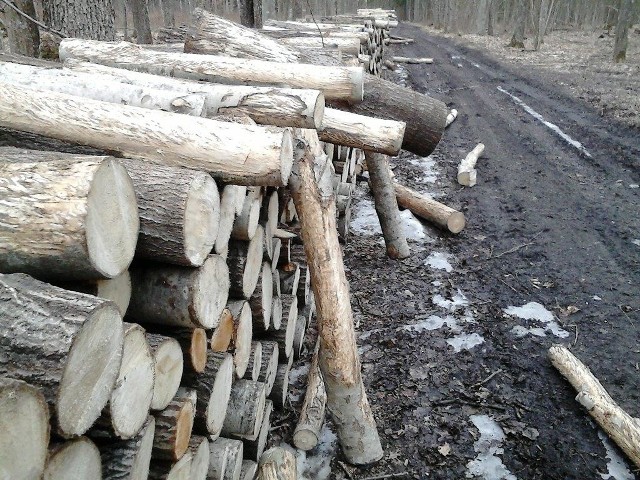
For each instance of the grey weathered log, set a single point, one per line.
(180, 470)
(116, 289)
(280, 391)
(307, 432)
(22, 35)
(248, 470)
(246, 223)
(269, 364)
(299, 335)
(230, 196)
(245, 263)
(180, 296)
(262, 300)
(201, 454)
(284, 335)
(246, 407)
(255, 362)
(64, 216)
(168, 366)
(276, 314)
(226, 459)
(129, 459)
(253, 449)
(242, 335)
(24, 436)
(77, 459)
(277, 464)
(78, 364)
(174, 425)
(289, 278)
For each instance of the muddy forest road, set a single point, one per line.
(549, 222)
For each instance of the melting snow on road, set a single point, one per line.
(616, 467)
(537, 312)
(428, 167)
(433, 322)
(636, 242)
(439, 261)
(465, 341)
(365, 221)
(552, 126)
(457, 301)
(487, 464)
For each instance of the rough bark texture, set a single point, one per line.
(226, 459)
(255, 362)
(81, 18)
(269, 365)
(75, 371)
(23, 36)
(246, 408)
(522, 14)
(141, 23)
(77, 459)
(625, 21)
(180, 470)
(168, 366)
(173, 426)
(307, 432)
(253, 448)
(280, 390)
(246, 13)
(129, 459)
(277, 464)
(429, 209)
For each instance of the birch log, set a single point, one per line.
(180, 296)
(116, 289)
(284, 336)
(467, 168)
(280, 391)
(75, 371)
(253, 449)
(336, 83)
(129, 459)
(168, 367)
(386, 205)
(248, 470)
(246, 408)
(179, 213)
(283, 107)
(245, 264)
(77, 459)
(307, 432)
(201, 455)
(174, 425)
(269, 364)
(24, 429)
(242, 335)
(277, 464)
(262, 299)
(338, 358)
(289, 278)
(618, 424)
(245, 225)
(63, 216)
(226, 459)
(429, 209)
(159, 137)
(223, 333)
(255, 362)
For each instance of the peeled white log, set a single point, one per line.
(307, 432)
(129, 459)
(348, 45)
(200, 454)
(242, 335)
(248, 470)
(100, 87)
(181, 470)
(280, 391)
(255, 362)
(168, 367)
(430, 209)
(246, 407)
(213, 388)
(618, 424)
(277, 464)
(230, 197)
(64, 216)
(77, 459)
(453, 114)
(283, 107)
(467, 168)
(245, 264)
(180, 296)
(77, 366)
(414, 60)
(116, 289)
(253, 449)
(269, 365)
(160, 137)
(337, 83)
(262, 299)
(24, 432)
(226, 459)
(173, 426)
(223, 333)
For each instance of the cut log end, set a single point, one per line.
(223, 333)
(318, 111)
(77, 459)
(198, 350)
(169, 365)
(199, 447)
(200, 225)
(211, 292)
(305, 439)
(219, 399)
(456, 222)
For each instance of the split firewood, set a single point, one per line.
(116, 289)
(248, 470)
(255, 362)
(226, 458)
(467, 168)
(253, 449)
(429, 209)
(89, 227)
(242, 335)
(262, 300)
(246, 408)
(307, 432)
(168, 366)
(174, 425)
(180, 296)
(618, 424)
(453, 114)
(386, 205)
(412, 60)
(72, 367)
(24, 436)
(129, 458)
(277, 464)
(245, 264)
(180, 470)
(223, 334)
(200, 457)
(77, 459)
(269, 365)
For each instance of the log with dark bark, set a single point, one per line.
(289, 278)
(262, 300)
(180, 470)
(242, 335)
(245, 264)
(77, 459)
(24, 436)
(174, 425)
(277, 464)
(116, 289)
(79, 362)
(429, 209)
(255, 362)
(129, 459)
(253, 449)
(269, 364)
(180, 296)
(280, 391)
(168, 366)
(246, 408)
(307, 432)
(73, 217)
(200, 454)
(226, 458)
(22, 35)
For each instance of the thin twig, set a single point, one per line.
(387, 475)
(316, 23)
(346, 469)
(497, 372)
(20, 12)
(516, 248)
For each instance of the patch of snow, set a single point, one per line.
(634, 185)
(436, 283)
(465, 341)
(316, 464)
(596, 298)
(552, 126)
(487, 464)
(428, 167)
(536, 311)
(439, 261)
(458, 300)
(433, 322)
(297, 372)
(636, 242)
(617, 468)
(364, 219)
(413, 228)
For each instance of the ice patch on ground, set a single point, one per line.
(428, 167)
(458, 300)
(364, 219)
(636, 241)
(535, 311)
(616, 467)
(413, 228)
(316, 464)
(487, 464)
(433, 322)
(439, 261)
(465, 341)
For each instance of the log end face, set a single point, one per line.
(357, 79)
(318, 111)
(305, 439)
(220, 394)
(117, 289)
(169, 364)
(112, 222)
(76, 460)
(201, 218)
(211, 292)
(142, 461)
(184, 425)
(456, 222)
(222, 335)
(242, 340)
(286, 157)
(198, 350)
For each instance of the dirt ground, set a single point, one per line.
(454, 339)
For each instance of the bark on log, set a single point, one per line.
(429, 209)
(245, 264)
(262, 300)
(348, 45)
(253, 449)
(180, 296)
(168, 367)
(277, 464)
(248, 470)
(283, 107)
(24, 429)
(275, 255)
(298, 336)
(200, 454)
(77, 459)
(453, 114)
(339, 361)
(181, 470)
(255, 362)
(117, 289)
(289, 278)
(280, 391)
(226, 459)
(269, 365)
(245, 225)
(246, 408)
(63, 216)
(213, 388)
(618, 424)
(72, 368)
(467, 168)
(242, 335)
(179, 213)
(307, 432)
(336, 83)
(173, 426)
(129, 459)
(159, 137)
(412, 60)
(284, 336)
(276, 286)
(359, 131)
(223, 333)
(194, 345)
(386, 205)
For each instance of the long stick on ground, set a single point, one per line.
(338, 358)
(618, 424)
(429, 209)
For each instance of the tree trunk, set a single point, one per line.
(246, 408)
(23, 36)
(427, 208)
(72, 367)
(129, 459)
(168, 14)
(180, 296)
(153, 135)
(257, 14)
(168, 368)
(269, 365)
(200, 454)
(226, 458)
(245, 264)
(540, 23)
(173, 427)
(24, 437)
(77, 459)
(242, 334)
(89, 227)
(141, 24)
(81, 18)
(386, 205)
(307, 433)
(277, 464)
(117, 289)
(625, 21)
(253, 449)
(246, 13)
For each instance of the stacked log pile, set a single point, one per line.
(198, 237)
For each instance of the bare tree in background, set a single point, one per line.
(246, 13)
(141, 23)
(521, 17)
(625, 19)
(92, 19)
(23, 36)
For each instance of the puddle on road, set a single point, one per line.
(433, 322)
(487, 464)
(535, 311)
